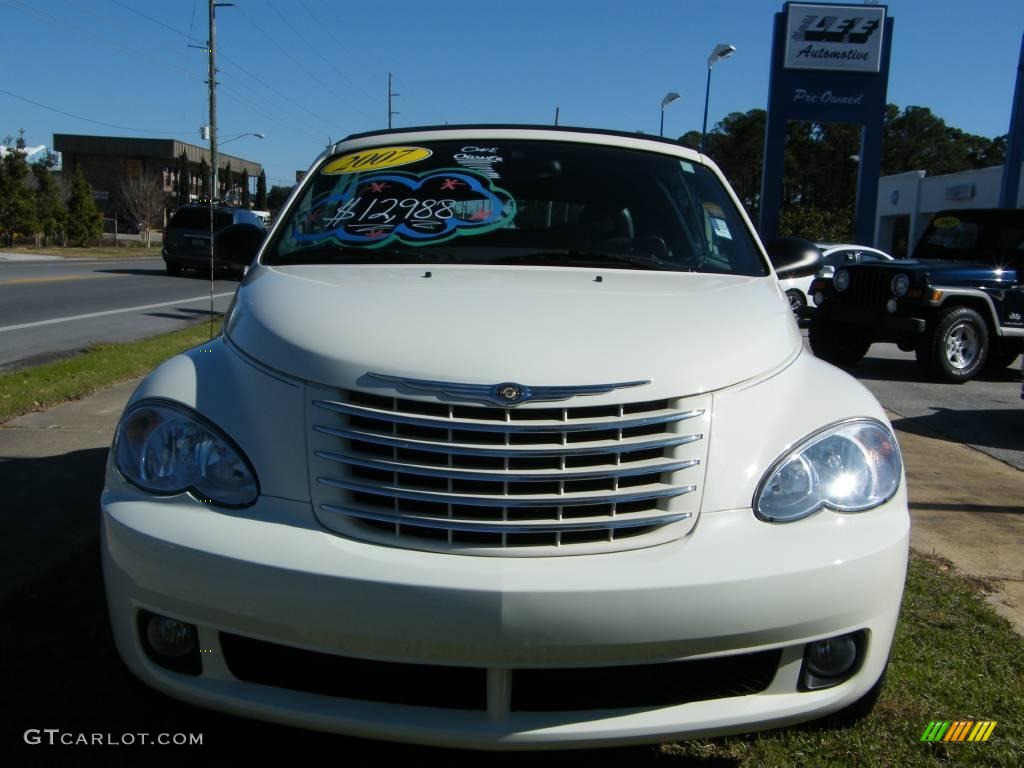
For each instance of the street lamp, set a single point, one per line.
(243, 135)
(722, 51)
(669, 98)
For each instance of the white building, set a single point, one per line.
(907, 202)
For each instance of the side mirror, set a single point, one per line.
(794, 256)
(238, 244)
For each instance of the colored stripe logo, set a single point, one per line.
(958, 730)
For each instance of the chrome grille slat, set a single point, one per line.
(579, 477)
(477, 526)
(507, 427)
(619, 470)
(504, 501)
(463, 449)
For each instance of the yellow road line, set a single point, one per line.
(55, 279)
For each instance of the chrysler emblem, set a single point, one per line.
(507, 393)
(510, 392)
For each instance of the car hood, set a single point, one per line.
(686, 333)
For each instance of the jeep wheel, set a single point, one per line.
(837, 344)
(1000, 358)
(956, 347)
(797, 302)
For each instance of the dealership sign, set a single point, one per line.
(835, 37)
(830, 64)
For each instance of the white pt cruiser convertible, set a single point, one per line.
(510, 441)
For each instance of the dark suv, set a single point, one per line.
(958, 303)
(186, 241)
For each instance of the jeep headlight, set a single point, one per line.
(851, 466)
(841, 281)
(165, 448)
(900, 285)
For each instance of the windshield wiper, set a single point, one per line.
(577, 258)
(342, 255)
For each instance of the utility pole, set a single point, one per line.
(391, 93)
(212, 82)
(556, 115)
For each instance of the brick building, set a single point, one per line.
(107, 160)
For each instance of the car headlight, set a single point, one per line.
(851, 466)
(165, 448)
(900, 285)
(841, 281)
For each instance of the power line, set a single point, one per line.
(163, 64)
(89, 119)
(314, 49)
(224, 57)
(295, 61)
(157, 21)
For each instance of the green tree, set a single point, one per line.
(51, 213)
(227, 183)
(17, 202)
(204, 178)
(244, 182)
(85, 222)
(918, 140)
(277, 197)
(818, 224)
(261, 191)
(184, 187)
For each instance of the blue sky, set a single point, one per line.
(308, 70)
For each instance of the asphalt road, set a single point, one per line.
(986, 413)
(54, 308)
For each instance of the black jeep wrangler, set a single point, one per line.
(958, 303)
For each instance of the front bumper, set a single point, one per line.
(733, 586)
(878, 318)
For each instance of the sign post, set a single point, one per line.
(830, 63)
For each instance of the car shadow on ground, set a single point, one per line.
(161, 272)
(62, 671)
(182, 314)
(51, 508)
(992, 428)
(889, 369)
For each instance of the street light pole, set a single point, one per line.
(722, 51)
(669, 98)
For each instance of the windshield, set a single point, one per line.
(516, 202)
(199, 218)
(988, 236)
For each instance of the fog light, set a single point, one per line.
(832, 657)
(819, 297)
(831, 661)
(891, 305)
(169, 637)
(170, 643)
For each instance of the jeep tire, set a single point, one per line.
(840, 345)
(1001, 356)
(955, 346)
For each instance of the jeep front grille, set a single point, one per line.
(868, 288)
(509, 481)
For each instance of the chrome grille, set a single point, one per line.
(508, 481)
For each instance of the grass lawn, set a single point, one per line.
(954, 659)
(99, 366)
(107, 251)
